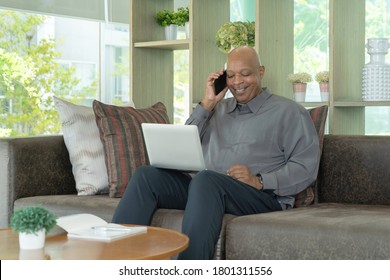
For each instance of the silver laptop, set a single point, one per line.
(173, 146)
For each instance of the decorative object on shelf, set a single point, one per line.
(235, 34)
(32, 223)
(376, 73)
(299, 82)
(322, 78)
(182, 18)
(167, 19)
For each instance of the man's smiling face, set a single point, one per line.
(244, 74)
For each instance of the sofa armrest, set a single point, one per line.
(31, 166)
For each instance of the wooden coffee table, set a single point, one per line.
(156, 243)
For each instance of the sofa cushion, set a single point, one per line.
(62, 205)
(82, 139)
(123, 143)
(318, 115)
(321, 231)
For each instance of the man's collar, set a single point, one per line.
(232, 105)
(254, 105)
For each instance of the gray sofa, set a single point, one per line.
(350, 218)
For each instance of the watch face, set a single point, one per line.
(260, 178)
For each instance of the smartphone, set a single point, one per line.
(220, 83)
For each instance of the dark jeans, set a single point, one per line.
(205, 199)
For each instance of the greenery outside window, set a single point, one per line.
(40, 56)
(311, 41)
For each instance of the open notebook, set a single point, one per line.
(173, 146)
(91, 227)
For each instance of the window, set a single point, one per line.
(74, 58)
(311, 41)
(181, 97)
(181, 86)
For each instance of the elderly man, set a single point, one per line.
(260, 150)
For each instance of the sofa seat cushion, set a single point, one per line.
(62, 205)
(322, 231)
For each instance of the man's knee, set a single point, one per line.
(207, 181)
(203, 177)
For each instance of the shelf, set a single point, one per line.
(313, 104)
(165, 44)
(360, 103)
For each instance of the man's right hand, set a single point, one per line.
(211, 99)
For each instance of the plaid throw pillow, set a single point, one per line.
(318, 115)
(123, 143)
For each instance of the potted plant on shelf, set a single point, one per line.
(299, 82)
(182, 18)
(32, 223)
(322, 78)
(167, 19)
(235, 34)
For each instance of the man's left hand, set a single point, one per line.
(242, 173)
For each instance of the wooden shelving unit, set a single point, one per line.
(151, 57)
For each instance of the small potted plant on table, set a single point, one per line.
(322, 78)
(299, 82)
(32, 223)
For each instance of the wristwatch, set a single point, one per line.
(258, 175)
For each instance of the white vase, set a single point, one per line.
(299, 96)
(376, 73)
(30, 241)
(171, 32)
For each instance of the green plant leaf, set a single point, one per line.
(32, 219)
(235, 34)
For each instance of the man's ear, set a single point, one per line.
(261, 71)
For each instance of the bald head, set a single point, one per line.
(246, 54)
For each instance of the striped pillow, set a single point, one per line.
(82, 140)
(318, 115)
(121, 135)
